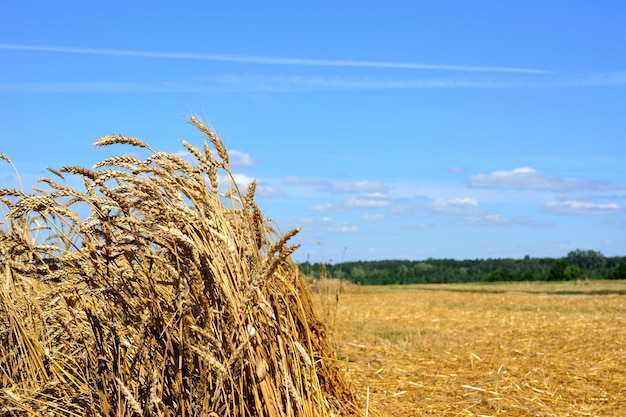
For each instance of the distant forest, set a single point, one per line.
(578, 264)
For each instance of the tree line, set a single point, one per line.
(578, 264)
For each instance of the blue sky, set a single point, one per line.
(386, 130)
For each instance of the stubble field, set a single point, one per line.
(519, 349)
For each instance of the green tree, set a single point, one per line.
(590, 262)
(403, 274)
(500, 274)
(358, 275)
(571, 272)
(557, 272)
(619, 272)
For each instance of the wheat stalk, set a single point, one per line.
(150, 293)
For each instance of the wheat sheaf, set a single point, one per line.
(154, 290)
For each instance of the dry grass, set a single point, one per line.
(156, 291)
(521, 349)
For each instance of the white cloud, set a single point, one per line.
(361, 202)
(373, 217)
(328, 225)
(500, 220)
(371, 188)
(326, 207)
(367, 187)
(268, 191)
(353, 203)
(240, 160)
(530, 179)
(493, 219)
(242, 181)
(325, 225)
(303, 181)
(454, 170)
(397, 207)
(467, 211)
(420, 226)
(455, 206)
(581, 207)
(401, 206)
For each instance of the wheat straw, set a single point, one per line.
(120, 139)
(148, 293)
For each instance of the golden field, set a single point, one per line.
(517, 349)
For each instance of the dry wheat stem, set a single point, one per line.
(148, 292)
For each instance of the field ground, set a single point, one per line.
(515, 349)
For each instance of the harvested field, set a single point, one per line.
(519, 349)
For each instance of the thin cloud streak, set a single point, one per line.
(581, 208)
(267, 60)
(297, 84)
(527, 178)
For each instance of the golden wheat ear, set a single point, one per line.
(120, 139)
(147, 292)
(213, 137)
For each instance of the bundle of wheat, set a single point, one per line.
(151, 292)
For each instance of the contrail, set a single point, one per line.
(267, 60)
(279, 84)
